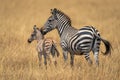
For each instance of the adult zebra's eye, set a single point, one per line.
(50, 20)
(32, 35)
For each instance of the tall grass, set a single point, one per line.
(18, 59)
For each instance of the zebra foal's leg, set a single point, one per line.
(40, 58)
(54, 60)
(87, 57)
(48, 57)
(45, 60)
(53, 52)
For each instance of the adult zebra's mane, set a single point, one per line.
(62, 13)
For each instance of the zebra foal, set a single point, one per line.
(75, 41)
(45, 47)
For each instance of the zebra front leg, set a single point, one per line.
(65, 55)
(48, 58)
(40, 58)
(87, 57)
(72, 59)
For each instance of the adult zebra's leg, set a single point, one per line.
(95, 50)
(65, 55)
(71, 59)
(87, 57)
(96, 54)
(40, 58)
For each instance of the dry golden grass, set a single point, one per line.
(18, 59)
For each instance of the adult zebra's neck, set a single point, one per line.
(62, 27)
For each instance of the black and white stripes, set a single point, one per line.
(75, 41)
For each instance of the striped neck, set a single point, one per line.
(63, 22)
(62, 27)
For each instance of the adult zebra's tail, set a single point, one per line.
(106, 43)
(107, 46)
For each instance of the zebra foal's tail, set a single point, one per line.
(55, 49)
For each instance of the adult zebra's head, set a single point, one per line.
(57, 19)
(49, 25)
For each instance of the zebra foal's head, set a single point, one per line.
(36, 34)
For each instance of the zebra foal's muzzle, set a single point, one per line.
(29, 41)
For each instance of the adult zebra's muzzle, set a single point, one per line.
(43, 31)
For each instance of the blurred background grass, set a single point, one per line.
(18, 59)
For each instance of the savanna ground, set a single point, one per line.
(18, 59)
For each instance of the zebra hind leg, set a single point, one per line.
(96, 53)
(87, 57)
(54, 60)
(54, 52)
(45, 60)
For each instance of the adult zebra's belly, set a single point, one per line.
(81, 44)
(81, 49)
(78, 49)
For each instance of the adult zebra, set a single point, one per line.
(75, 41)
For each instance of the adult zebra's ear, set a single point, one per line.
(54, 11)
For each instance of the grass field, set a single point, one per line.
(18, 59)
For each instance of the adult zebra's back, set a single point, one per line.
(75, 41)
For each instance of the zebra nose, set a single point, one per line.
(29, 41)
(44, 32)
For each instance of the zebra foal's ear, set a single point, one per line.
(34, 27)
(51, 11)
